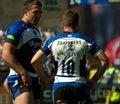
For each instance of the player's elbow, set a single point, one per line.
(105, 62)
(33, 62)
(34, 65)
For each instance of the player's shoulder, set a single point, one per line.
(87, 38)
(17, 26)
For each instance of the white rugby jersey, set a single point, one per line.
(70, 51)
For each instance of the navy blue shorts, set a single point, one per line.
(71, 93)
(17, 87)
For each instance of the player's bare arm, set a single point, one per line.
(103, 66)
(36, 62)
(8, 57)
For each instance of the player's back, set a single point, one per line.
(69, 51)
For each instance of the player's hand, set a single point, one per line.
(51, 80)
(27, 81)
(91, 83)
(47, 81)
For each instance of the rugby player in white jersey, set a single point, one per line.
(70, 50)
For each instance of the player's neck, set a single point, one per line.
(68, 29)
(25, 20)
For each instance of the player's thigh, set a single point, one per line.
(24, 98)
(5, 85)
(3, 76)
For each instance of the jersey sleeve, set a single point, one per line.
(46, 47)
(94, 48)
(13, 34)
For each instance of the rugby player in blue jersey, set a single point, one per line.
(70, 50)
(21, 42)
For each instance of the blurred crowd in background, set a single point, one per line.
(106, 32)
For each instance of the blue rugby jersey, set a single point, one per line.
(28, 41)
(70, 51)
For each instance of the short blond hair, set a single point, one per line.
(70, 18)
